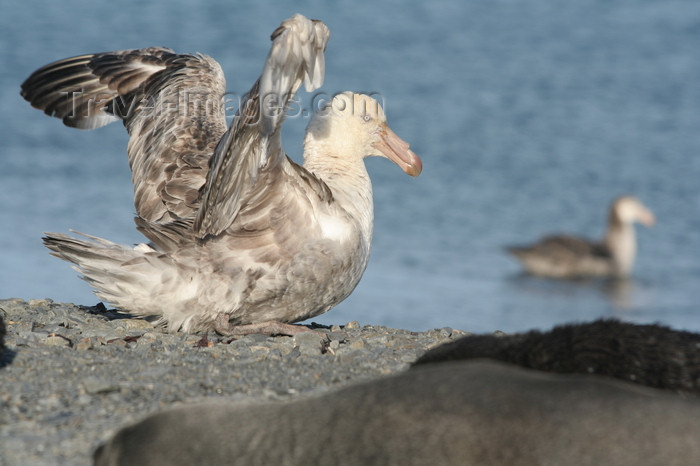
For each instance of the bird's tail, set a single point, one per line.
(119, 274)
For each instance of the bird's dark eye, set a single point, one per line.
(366, 117)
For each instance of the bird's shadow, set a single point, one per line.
(6, 357)
(100, 309)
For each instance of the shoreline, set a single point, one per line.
(73, 375)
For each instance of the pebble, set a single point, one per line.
(57, 340)
(356, 344)
(93, 385)
(309, 343)
(70, 376)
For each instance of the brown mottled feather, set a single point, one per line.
(154, 91)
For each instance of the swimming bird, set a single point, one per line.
(564, 256)
(241, 238)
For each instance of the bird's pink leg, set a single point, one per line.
(270, 327)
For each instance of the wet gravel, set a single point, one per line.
(70, 376)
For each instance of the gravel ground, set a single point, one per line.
(70, 376)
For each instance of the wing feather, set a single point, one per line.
(252, 148)
(171, 105)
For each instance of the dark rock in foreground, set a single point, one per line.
(2, 333)
(456, 413)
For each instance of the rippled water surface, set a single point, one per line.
(529, 117)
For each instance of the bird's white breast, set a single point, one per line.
(334, 228)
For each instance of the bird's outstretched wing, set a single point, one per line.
(171, 105)
(252, 147)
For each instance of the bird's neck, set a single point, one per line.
(346, 176)
(622, 243)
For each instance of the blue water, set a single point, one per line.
(529, 117)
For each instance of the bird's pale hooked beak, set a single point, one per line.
(397, 150)
(646, 218)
